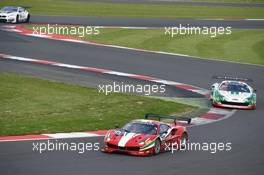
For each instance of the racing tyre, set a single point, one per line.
(28, 18)
(156, 147)
(183, 141)
(17, 19)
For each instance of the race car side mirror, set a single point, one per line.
(213, 86)
(255, 90)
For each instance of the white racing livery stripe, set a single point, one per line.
(125, 138)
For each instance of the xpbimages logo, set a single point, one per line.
(56, 145)
(211, 31)
(131, 88)
(79, 31)
(212, 147)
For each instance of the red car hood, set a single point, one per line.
(124, 139)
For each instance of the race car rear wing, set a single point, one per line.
(232, 78)
(174, 118)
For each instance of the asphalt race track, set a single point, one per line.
(243, 129)
(181, 2)
(148, 22)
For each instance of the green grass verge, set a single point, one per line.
(244, 46)
(31, 106)
(79, 8)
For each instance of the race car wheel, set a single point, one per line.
(156, 147)
(28, 18)
(17, 19)
(183, 141)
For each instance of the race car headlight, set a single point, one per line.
(107, 137)
(141, 143)
(144, 142)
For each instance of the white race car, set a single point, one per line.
(14, 14)
(233, 93)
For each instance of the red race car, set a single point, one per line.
(147, 137)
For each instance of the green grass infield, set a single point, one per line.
(33, 106)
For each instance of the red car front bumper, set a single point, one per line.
(125, 150)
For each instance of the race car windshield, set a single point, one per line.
(9, 9)
(140, 128)
(234, 87)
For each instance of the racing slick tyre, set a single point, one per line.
(183, 141)
(156, 149)
(17, 20)
(28, 18)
